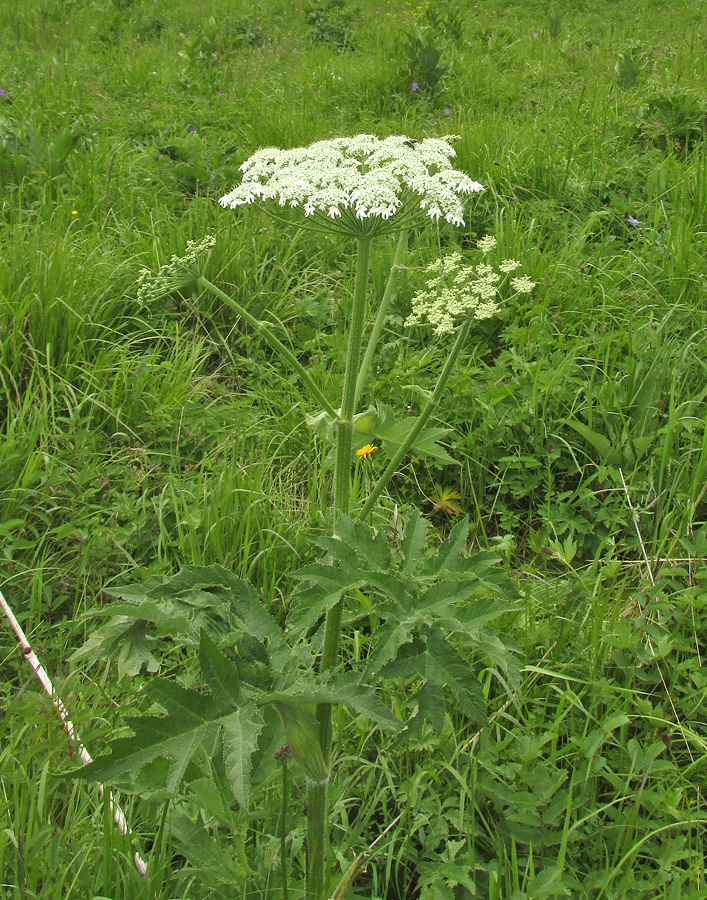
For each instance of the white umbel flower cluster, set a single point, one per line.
(454, 290)
(179, 273)
(359, 183)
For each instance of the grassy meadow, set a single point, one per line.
(139, 439)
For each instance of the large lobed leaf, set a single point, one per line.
(438, 664)
(178, 608)
(192, 722)
(433, 607)
(356, 559)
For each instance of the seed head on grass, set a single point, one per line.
(359, 185)
(179, 273)
(454, 291)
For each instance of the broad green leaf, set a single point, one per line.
(641, 444)
(410, 661)
(459, 602)
(433, 659)
(322, 424)
(191, 723)
(372, 550)
(214, 587)
(604, 447)
(547, 883)
(220, 674)
(502, 652)
(123, 640)
(325, 588)
(441, 877)
(358, 560)
(364, 425)
(425, 445)
(179, 607)
(431, 705)
(445, 666)
(206, 595)
(174, 738)
(311, 689)
(240, 738)
(414, 542)
(448, 557)
(388, 638)
(162, 614)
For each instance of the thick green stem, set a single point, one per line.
(342, 476)
(270, 338)
(316, 793)
(426, 412)
(388, 295)
(283, 829)
(316, 840)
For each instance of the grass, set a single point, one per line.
(137, 441)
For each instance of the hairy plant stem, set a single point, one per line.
(426, 412)
(388, 295)
(342, 475)
(283, 829)
(316, 839)
(264, 331)
(316, 793)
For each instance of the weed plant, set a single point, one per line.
(137, 442)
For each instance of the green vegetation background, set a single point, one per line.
(135, 441)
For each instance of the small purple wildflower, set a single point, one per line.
(446, 110)
(633, 221)
(191, 128)
(220, 93)
(2, 92)
(535, 34)
(415, 85)
(166, 131)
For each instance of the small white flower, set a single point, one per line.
(362, 182)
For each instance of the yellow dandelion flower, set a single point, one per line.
(74, 212)
(365, 451)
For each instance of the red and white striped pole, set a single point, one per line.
(40, 672)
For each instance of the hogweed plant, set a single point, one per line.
(431, 610)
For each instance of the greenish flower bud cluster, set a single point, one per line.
(180, 273)
(455, 291)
